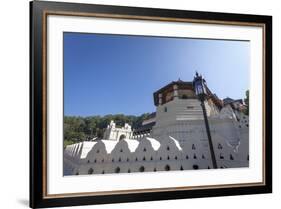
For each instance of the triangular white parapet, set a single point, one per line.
(176, 142)
(132, 144)
(86, 148)
(154, 143)
(109, 145)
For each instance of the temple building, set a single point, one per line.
(174, 137)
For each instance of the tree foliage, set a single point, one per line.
(78, 128)
(246, 100)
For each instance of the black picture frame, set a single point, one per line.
(38, 11)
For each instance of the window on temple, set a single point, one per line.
(119, 159)
(221, 156)
(88, 161)
(181, 168)
(193, 147)
(117, 170)
(194, 156)
(136, 159)
(160, 158)
(143, 159)
(165, 109)
(154, 170)
(195, 167)
(144, 149)
(168, 158)
(102, 172)
(127, 159)
(186, 157)
(167, 168)
(141, 169)
(219, 146)
(129, 171)
(184, 96)
(203, 156)
(168, 148)
(151, 158)
(121, 150)
(176, 158)
(90, 171)
(95, 160)
(98, 151)
(122, 137)
(231, 157)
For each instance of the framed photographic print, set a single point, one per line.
(140, 104)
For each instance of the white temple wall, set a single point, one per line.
(177, 141)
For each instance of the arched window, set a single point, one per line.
(151, 158)
(119, 159)
(127, 159)
(112, 160)
(160, 158)
(136, 159)
(141, 169)
(181, 168)
(176, 157)
(143, 158)
(129, 171)
(168, 148)
(122, 137)
(121, 150)
(231, 157)
(186, 157)
(91, 171)
(102, 172)
(102, 160)
(184, 96)
(195, 167)
(88, 161)
(95, 160)
(219, 146)
(194, 156)
(117, 170)
(203, 156)
(167, 168)
(98, 151)
(168, 158)
(221, 156)
(154, 170)
(144, 149)
(193, 147)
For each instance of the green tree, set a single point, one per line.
(246, 100)
(78, 128)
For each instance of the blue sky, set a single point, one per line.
(111, 74)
